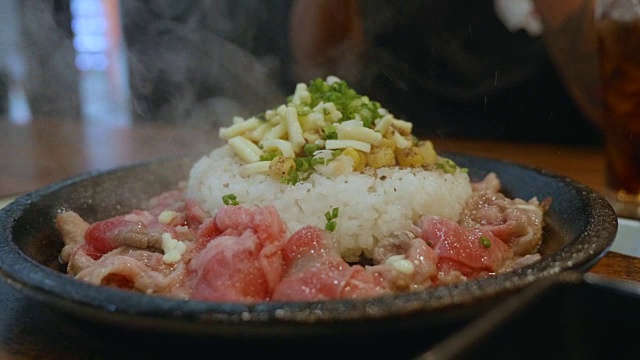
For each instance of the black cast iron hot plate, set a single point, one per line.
(580, 228)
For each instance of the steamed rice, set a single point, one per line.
(372, 204)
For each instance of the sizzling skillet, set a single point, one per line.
(581, 226)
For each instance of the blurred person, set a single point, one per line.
(455, 68)
(570, 38)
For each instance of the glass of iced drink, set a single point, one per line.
(618, 33)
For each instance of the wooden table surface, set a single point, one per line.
(46, 151)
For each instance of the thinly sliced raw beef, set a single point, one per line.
(461, 249)
(240, 257)
(314, 270)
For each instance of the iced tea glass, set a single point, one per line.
(618, 32)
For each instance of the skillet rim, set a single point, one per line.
(60, 290)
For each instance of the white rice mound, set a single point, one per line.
(372, 204)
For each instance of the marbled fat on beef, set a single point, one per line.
(516, 222)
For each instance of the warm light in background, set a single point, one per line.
(98, 54)
(90, 29)
(101, 60)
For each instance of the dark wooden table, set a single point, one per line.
(46, 151)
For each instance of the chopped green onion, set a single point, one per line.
(302, 164)
(309, 149)
(268, 156)
(317, 161)
(331, 132)
(230, 199)
(447, 165)
(347, 101)
(331, 226)
(485, 242)
(331, 216)
(292, 178)
(303, 110)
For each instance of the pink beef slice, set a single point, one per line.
(110, 234)
(409, 247)
(518, 223)
(314, 270)
(461, 249)
(240, 257)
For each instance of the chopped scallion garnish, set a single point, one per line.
(485, 242)
(309, 149)
(230, 199)
(331, 132)
(331, 216)
(317, 161)
(347, 101)
(292, 178)
(447, 165)
(302, 164)
(268, 156)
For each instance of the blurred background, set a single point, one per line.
(455, 68)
